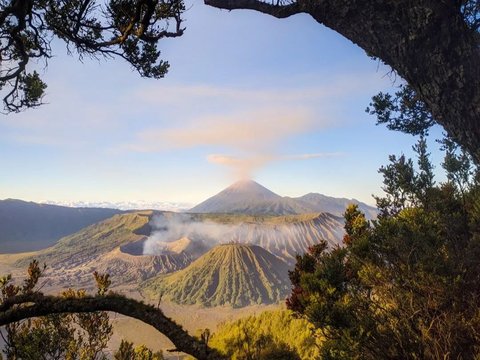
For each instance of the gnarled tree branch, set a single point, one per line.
(276, 10)
(124, 28)
(434, 45)
(31, 305)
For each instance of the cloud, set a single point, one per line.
(253, 131)
(249, 124)
(243, 167)
(340, 86)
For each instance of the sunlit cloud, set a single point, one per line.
(255, 130)
(253, 135)
(244, 167)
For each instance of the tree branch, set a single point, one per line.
(35, 304)
(431, 44)
(278, 11)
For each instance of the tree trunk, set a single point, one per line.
(427, 42)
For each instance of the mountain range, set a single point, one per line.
(249, 197)
(28, 226)
(117, 245)
(233, 249)
(124, 205)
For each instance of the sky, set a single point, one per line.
(247, 96)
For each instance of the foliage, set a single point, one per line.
(403, 111)
(129, 29)
(405, 286)
(87, 334)
(57, 336)
(103, 282)
(126, 351)
(404, 186)
(265, 336)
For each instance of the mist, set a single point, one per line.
(284, 240)
(167, 229)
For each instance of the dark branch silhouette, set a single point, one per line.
(130, 29)
(433, 45)
(31, 305)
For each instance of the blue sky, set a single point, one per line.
(247, 95)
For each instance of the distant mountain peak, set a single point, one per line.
(250, 187)
(249, 197)
(244, 183)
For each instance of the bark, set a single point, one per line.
(33, 305)
(427, 42)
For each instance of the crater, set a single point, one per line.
(134, 248)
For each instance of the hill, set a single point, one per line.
(99, 247)
(249, 197)
(230, 274)
(28, 226)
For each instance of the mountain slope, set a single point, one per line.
(28, 226)
(287, 236)
(249, 197)
(118, 245)
(284, 236)
(230, 274)
(244, 197)
(99, 247)
(332, 205)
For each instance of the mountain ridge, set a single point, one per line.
(249, 197)
(29, 226)
(98, 247)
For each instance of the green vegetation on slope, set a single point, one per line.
(406, 286)
(94, 240)
(244, 338)
(233, 274)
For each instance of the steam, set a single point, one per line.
(254, 137)
(282, 239)
(203, 234)
(244, 167)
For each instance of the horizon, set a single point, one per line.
(231, 113)
(167, 205)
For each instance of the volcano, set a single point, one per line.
(249, 197)
(231, 274)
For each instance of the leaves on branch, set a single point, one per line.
(129, 29)
(22, 303)
(404, 111)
